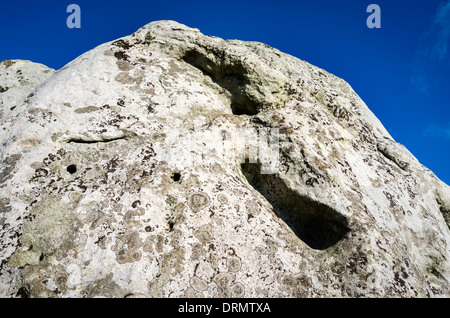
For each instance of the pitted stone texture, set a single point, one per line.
(99, 196)
(18, 79)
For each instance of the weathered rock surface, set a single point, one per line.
(114, 181)
(18, 79)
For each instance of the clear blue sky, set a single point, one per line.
(401, 71)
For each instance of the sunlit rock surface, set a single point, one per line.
(124, 174)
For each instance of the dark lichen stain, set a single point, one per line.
(151, 107)
(135, 204)
(40, 173)
(121, 102)
(198, 201)
(87, 109)
(122, 44)
(121, 55)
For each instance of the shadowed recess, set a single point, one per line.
(232, 77)
(176, 176)
(72, 169)
(315, 223)
(83, 141)
(445, 210)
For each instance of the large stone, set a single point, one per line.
(125, 174)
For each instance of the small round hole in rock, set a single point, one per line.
(72, 169)
(176, 177)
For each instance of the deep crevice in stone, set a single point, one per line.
(315, 223)
(445, 211)
(23, 292)
(386, 151)
(82, 141)
(232, 77)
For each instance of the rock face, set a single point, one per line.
(17, 80)
(126, 174)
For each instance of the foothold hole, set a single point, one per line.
(72, 169)
(175, 176)
(317, 224)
